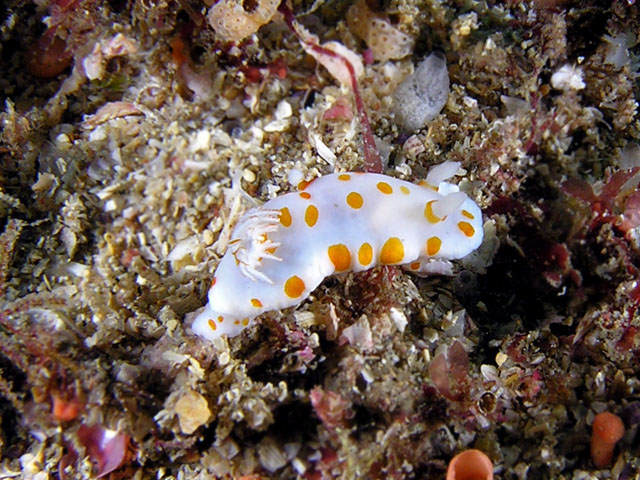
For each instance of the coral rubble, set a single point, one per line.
(134, 135)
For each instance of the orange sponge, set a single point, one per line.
(608, 429)
(470, 465)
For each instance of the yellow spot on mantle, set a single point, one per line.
(385, 188)
(354, 200)
(428, 213)
(466, 228)
(285, 217)
(311, 215)
(392, 251)
(294, 286)
(304, 184)
(433, 245)
(365, 254)
(340, 257)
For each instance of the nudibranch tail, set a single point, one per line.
(342, 222)
(211, 324)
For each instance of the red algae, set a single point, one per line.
(108, 449)
(372, 161)
(49, 57)
(449, 372)
(331, 408)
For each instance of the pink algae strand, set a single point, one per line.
(372, 161)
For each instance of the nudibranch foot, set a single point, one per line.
(425, 267)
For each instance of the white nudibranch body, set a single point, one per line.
(280, 252)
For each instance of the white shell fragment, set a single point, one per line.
(568, 77)
(423, 94)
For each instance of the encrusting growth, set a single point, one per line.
(608, 429)
(471, 464)
(280, 252)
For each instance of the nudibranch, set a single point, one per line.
(280, 252)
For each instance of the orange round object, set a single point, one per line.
(607, 430)
(471, 464)
(65, 410)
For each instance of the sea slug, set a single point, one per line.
(280, 252)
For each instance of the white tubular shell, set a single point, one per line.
(279, 253)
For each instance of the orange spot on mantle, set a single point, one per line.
(294, 286)
(285, 217)
(392, 251)
(340, 256)
(354, 200)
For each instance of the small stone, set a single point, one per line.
(283, 110)
(193, 411)
(63, 142)
(271, 455)
(501, 358)
(399, 318)
(201, 142)
(248, 176)
(208, 238)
